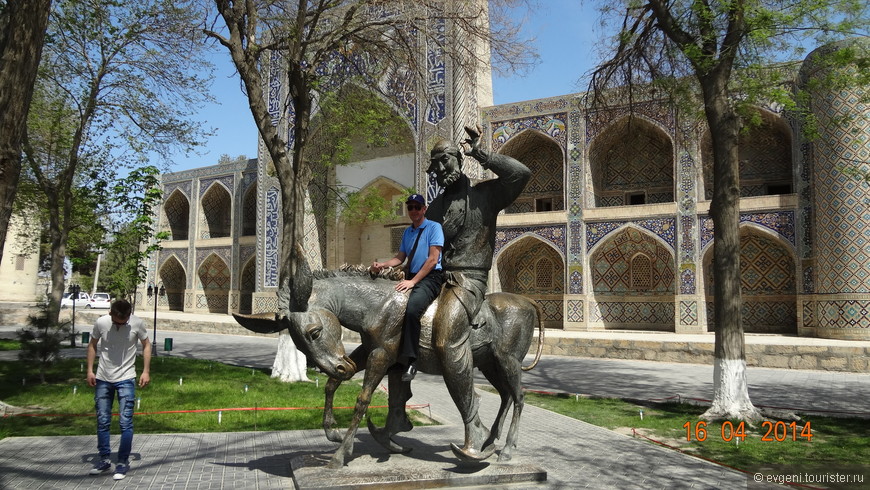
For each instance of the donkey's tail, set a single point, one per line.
(540, 314)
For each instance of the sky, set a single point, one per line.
(564, 32)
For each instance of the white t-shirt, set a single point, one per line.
(117, 347)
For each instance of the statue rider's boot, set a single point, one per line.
(476, 434)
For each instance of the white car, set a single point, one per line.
(100, 300)
(83, 301)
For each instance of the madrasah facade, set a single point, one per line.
(613, 232)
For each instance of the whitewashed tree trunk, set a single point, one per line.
(730, 393)
(289, 365)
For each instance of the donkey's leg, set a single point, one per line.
(513, 382)
(397, 416)
(358, 356)
(377, 366)
(494, 376)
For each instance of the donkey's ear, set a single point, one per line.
(261, 323)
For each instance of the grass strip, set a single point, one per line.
(812, 441)
(177, 384)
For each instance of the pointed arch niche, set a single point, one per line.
(546, 189)
(176, 212)
(633, 282)
(249, 211)
(531, 267)
(174, 279)
(632, 162)
(247, 285)
(765, 158)
(217, 212)
(214, 282)
(365, 241)
(767, 283)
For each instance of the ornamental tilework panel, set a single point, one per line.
(180, 255)
(633, 313)
(664, 228)
(213, 273)
(841, 314)
(782, 222)
(224, 253)
(436, 76)
(554, 234)
(575, 310)
(551, 309)
(184, 187)
(761, 316)
(688, 312)
(274, 89)
(525, 109)
(766, 266)
(549, 124)
(613, 270)
(272, 234)
(544, 158)
(842, 225)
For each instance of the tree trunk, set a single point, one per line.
(730, 391)
(290, 364)
(21, 42)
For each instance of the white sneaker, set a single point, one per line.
(121, 471)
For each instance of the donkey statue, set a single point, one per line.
(351, 298)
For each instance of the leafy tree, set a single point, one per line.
(133, 238)
(120, 80)
(320, 46)
(22, 31)
(725, 51)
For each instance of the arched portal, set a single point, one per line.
(765, 158)
(217, 212)
(546, 189)
(367, 240)
(176, 211)
(633, 281)
(767, 283)
(249, 212)
(532, 268)
(174, 280)
(214, 281)
(632, 162)
(247, 283)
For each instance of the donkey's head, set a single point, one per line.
(317, 333)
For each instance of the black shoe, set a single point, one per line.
(410, 373)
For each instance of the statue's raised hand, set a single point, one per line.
(473, 144)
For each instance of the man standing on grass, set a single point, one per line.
(115, 336)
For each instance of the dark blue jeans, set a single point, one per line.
(104, 396)
(423, 294)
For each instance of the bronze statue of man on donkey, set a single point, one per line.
(469, 328)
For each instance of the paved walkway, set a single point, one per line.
(575, 454)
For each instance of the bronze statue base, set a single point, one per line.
(426, 466)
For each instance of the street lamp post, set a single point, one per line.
(74, 290)
(156, 292)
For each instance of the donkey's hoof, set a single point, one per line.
(472, 455)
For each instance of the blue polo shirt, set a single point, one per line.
(432, 235)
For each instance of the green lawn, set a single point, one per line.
(814, 440)
(205, 385)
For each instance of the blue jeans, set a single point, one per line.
(104, 396)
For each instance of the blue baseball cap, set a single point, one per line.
(416, 198)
